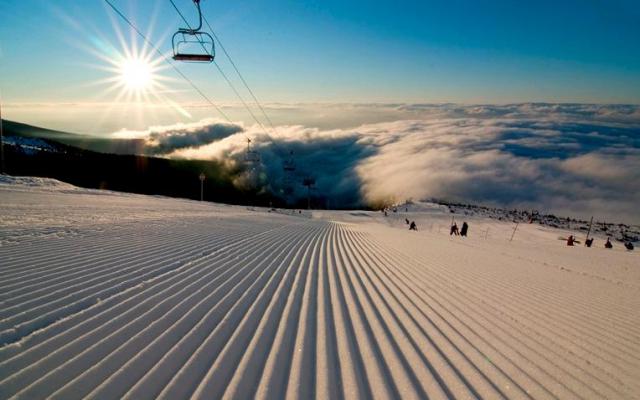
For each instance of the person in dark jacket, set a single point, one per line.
(413, 226)
(463, 230)
(588, 242)
(608, 244)
(629, 245)
(570, 240)
(454, 230)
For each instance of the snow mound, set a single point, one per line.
(426, 207)
(32, 181)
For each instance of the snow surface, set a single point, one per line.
(108, 295)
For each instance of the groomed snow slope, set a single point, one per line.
(107, 295)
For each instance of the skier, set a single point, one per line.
(629, 245)
(463, 230)
(608, 245)
(570, 240)
(588, 242)
(406, 220)
(454, 230)
(413, 226)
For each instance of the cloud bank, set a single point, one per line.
(160, 140)
(573, 159)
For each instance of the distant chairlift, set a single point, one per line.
(193, 45)
(289, 167)
(309, 182)
(251, 156)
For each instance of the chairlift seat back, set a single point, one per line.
(193, 46)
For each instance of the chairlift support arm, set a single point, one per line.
(193, 31)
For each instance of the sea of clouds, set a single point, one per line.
(571, 159)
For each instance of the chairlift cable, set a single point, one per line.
(288, 163)
(226, 78)
(244, 82)
(191, 83)
(237, 71)
(180, 13)
(246, 85)
(157, 50)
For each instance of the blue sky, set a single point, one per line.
(389, 60)
(344, 51)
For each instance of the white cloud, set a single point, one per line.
(168, 139)
(571, 159)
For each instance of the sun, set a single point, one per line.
(133, 74)
(137, 74)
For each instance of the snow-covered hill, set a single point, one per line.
(14, 183)
(109, 295)
(29, 145)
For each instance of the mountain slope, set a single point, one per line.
(108, 295)
(98, 144)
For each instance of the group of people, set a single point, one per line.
(462, 232)
(412, 225)
(395, 210)
(571, 241)
(454, 228)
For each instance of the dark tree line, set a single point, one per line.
(130, 173)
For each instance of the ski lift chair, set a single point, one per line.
(289, 166)
(186, 43)
(192, 44)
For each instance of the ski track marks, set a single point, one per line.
(251, 306)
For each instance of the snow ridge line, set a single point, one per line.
(128, 301)
(318, 309)
(95, 249)
(211, 336)
(452, 349)
(166, 334)
(295, 264)
(114, 335)
(121, 237)
(603, 304)
(386, 299)
(78, 270)
(242, 380)
(45, 312)
(20, 249)
(467, 306)
(595, 344)
(502, 287)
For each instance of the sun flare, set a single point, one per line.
(137, 74)
(134, 74)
